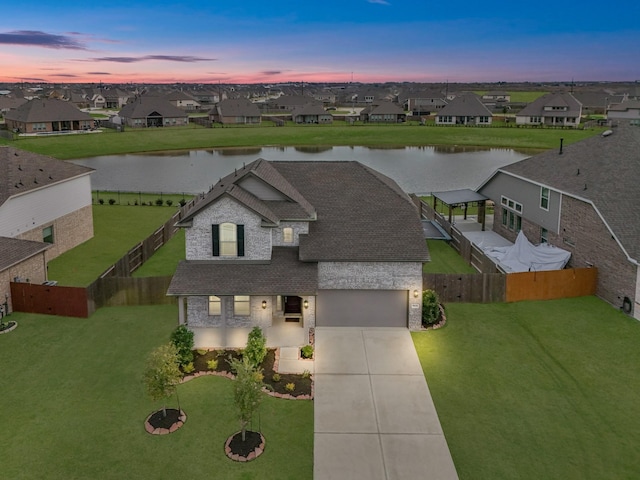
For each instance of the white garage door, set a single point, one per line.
(361, 308)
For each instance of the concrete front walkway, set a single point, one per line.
(373, 413)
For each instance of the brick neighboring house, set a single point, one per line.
(149, 111)
(552, 109)
(465, 109)
(322, 243)
(235, 111)
(45, 210)
(383, 112)
(47, 115)
(311, 113)
(583, 201)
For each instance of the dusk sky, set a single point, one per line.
(115, 41)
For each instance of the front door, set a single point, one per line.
(292, 305)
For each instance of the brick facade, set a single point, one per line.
(69, 231)
(32, 270)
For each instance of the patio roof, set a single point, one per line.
(456, 197)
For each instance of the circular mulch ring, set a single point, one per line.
(240, 451)
(7, 327)
(159, 424)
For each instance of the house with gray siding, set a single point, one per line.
(580, 198)
(306, 243)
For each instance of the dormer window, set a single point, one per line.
(228, 240)
(287, 235)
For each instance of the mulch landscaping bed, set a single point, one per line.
(302, 385)
(7, 327)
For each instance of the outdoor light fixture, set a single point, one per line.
(264, 304)
(306, 304)
(415, 294)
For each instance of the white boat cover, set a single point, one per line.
(523, 256)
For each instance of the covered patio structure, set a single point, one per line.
(461, 198)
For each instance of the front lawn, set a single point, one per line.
(537, 390)
(117, 229)
(74, 407)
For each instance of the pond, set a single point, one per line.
(419, 170)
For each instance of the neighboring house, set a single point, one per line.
(319, 243)
(327, 98)
(598, 102)
(148, 111)
(115, 99)
(311, 113)
(466, 109)
(581, 198)
(289, 103)
(552, 109)
(425, 105)
(629, 110)
(183, 101)
(235, 111)
(383, 112)
(45, 204)
(497, 97)
(46, 115)
(206, 97)
(10, 103)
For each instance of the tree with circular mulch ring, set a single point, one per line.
(245, 445)
(161, 379)
(7, 327)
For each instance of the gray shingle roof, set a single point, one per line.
(609, 169)
(22, 171)
(536, 108)
(237, 107)
(283, 275)
(465, 106)
(15, 251)
(145, 105)
(360, 216)
(46, 110)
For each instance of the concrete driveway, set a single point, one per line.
(373, 413)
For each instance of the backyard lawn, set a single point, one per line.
(444, 259)
(537, 390)
(117, 229)
(164, 262)
(74, 407)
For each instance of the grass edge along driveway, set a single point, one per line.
(537, 390)
(74, 407)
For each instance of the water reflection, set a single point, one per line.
(421, 169)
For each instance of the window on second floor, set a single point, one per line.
(228, 240)
(47, 234)
(287, 235)
(544, 198)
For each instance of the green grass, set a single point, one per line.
(116, 230)
(74, 407)
(164, 262)
(161, 139)
(137, 198)
(537, 390)
(444, 259)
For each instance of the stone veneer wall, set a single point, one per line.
(375, 276)
(257, 239)
(583, 233)
(69, 231)
(198, 313)
(33, 270)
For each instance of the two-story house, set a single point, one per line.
(580, 198)
(553, 110)
(309, 243)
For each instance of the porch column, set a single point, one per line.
(181, 305)
(482, 213)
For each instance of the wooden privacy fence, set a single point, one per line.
(115, 287)
(512, 287)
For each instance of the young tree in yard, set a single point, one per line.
(247, 390)
(256, 348)
(162, 374)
